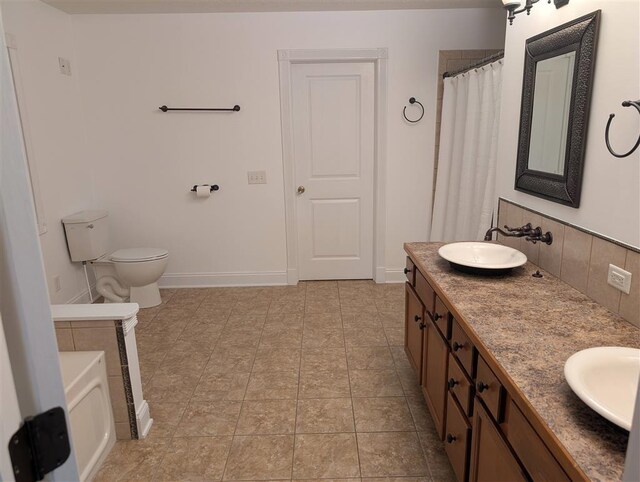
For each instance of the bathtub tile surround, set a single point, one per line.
(275, 383)
(109, 328)
(578, 258)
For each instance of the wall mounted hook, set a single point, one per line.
(412, 101)
(626, 103)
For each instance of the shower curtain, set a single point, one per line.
(465, 186)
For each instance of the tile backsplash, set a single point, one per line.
(579, 258)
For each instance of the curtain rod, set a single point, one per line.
(478, 64)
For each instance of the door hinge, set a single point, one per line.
(40, 445)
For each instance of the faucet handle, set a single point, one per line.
(522, 229)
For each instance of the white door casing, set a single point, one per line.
(324, 208)
(333, 141)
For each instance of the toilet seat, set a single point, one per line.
(137, 255)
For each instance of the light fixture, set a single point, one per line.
(512, 7)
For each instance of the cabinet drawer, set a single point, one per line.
(457, 439)
(460, 385)
(462, 348)
(442, 317)
(410, 272)
(425, 292)
(489, 389)
(530, 448)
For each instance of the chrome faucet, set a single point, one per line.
(525, 230)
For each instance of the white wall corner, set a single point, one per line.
(292, 276)
(83, 297)
(380, 274)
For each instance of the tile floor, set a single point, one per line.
(279, 383)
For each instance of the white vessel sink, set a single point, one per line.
(482, 256)
(606, 379)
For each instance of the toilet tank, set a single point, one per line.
(87, 234)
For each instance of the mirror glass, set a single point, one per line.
(550, 118)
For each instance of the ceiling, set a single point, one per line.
(210, 6)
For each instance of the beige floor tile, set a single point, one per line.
(246, 321)
(277, 359)
(324, 416)
(323, 359)
(293, 306)
(439, 466)
(397, 479)
(395, 335)
(365, 321)
(260, 457)
(389, 414)
(203, 419)
(166, 416)
(281, 335)
(286, 319)
(221, 386)
(326, 455)
(356, 336)
(246, 338)
(360, 306)
(225, 359)
(323, 320)
(319, 337)
(328, 305)
(184, 363)
(132, 460)
(324, 384)
(390, 304)
(391, 454)
(170, 387)
(194, 458)
(369, 357)
(375, 383)
(410, 383)
(420, 414)
(281, 385)
(267, 417)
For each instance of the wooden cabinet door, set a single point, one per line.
(414, 319)
(491, 457)
(434, 374)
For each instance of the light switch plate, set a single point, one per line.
(619, 278)
(257, 177)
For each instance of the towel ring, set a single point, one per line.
(413, 100)
(626, 103)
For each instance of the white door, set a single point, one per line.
(10, 419)
(27, 325)
(333, 106)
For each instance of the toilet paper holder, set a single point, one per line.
(212, 187)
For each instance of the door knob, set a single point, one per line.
(301, 189)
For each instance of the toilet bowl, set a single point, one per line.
(132, 273)
(125, 273)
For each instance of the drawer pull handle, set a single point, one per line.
(417, 318)
(407, 271)
(422, 326)
(481, 386)
(450, 438)
(436, 316)
(452, 383)
(457, 346)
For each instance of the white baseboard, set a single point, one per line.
(193, 280)
(395, 276)
(83, 297)
(143, 420)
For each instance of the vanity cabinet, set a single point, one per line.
(486, 435)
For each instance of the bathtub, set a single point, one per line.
(90, 416)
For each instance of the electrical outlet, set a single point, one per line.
(257, 177)
(57, 284)
(619, 279)
(65, 66)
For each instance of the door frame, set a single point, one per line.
(378, 57)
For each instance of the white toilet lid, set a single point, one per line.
(138, 254)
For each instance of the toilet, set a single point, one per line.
(130, 273)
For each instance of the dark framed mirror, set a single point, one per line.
(556, 94)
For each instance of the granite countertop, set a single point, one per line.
(531, 326)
